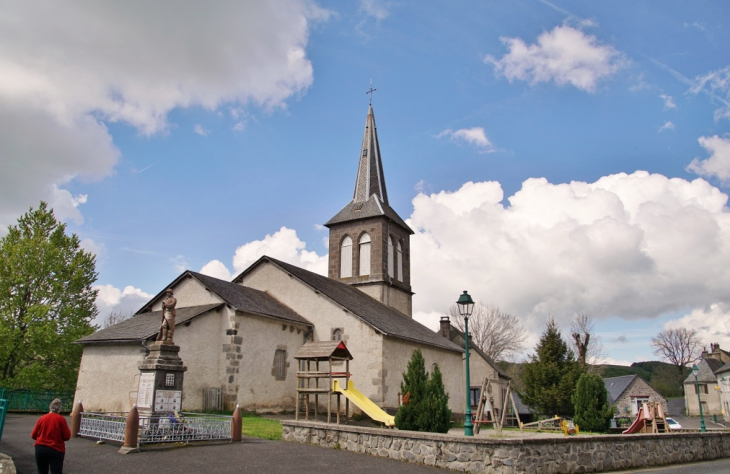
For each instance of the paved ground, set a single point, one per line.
(675, 407)
(253, 455)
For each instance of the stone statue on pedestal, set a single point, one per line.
(167, 326)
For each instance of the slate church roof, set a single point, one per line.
(382, 318)
(370, 198)
(144, 326)
(146, 323)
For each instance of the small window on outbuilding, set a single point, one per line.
(279, 369)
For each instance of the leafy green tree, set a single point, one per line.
(46, 302)
(590, 400)
(413, 389)
(551, 375)
(435, 414)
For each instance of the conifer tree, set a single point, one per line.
(590, 400)
(413, 388)
(551, 375)
(435, 414)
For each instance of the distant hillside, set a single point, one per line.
(660, 375)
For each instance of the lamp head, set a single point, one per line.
(465, 304)
(695, 370)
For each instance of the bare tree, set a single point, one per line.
(114, 318)
(680, 347)
(586, 343)
(499, 335)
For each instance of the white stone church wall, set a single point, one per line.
(189, 292)
(200, 352)
(450, 363)
(254, 378)
(108, 376)
(364, 343)
(479, 369)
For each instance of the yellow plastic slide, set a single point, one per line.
(363, 403)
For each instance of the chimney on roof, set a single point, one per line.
(445, 329)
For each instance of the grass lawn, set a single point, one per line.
(257, 427)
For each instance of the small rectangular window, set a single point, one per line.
(169, 380)
(280, 364)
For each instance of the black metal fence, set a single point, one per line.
(22, 399)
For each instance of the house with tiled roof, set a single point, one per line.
(240, 337)
(628, 392)
(706, 388)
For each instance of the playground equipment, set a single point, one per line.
(363, 403)
(569, 428)
(309, 376)
(650, 419)
(329, 352)
(488, 412)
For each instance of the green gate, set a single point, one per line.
(3, 409)
(22, 399)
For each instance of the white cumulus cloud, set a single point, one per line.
(564, 55)
(628, 245)
(712, 323)
(111, 299)
(718, 164)
(67, 69)
(668, 125)
(473, 136)
(283, 245)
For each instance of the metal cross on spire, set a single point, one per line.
(371, 91)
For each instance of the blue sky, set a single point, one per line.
(554, 157)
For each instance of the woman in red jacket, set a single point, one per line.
(49, 434)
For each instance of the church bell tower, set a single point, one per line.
(369, 245)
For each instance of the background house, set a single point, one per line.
(628, 392)
(706, 384)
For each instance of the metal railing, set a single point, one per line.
(188, 427)
(23, 399)
(106, 426)
(157, 429)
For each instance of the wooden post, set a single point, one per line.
(76, 419)
(236, 424)
(131, 430)
(316, 394)
(329, 393)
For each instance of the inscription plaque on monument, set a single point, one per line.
(146, 390)
(168, 400)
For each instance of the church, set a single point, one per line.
(240, 337)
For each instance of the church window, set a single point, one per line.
(399, 256)
(337, 334)
(365, 254)
(390, 257)
(279, 364)
(346, 258)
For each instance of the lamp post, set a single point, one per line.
(695, 372)
(466, 306)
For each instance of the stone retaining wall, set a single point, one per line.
(515, 456)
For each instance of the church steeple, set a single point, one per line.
(370, 179)
(369, 245)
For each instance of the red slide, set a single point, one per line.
(640, 420)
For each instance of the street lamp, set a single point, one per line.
(695, 372)
(466, 306)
